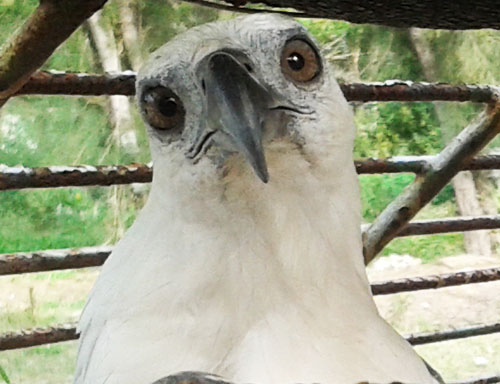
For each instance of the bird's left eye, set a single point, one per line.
(299, 61)
(163, 108)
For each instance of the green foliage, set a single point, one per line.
(427, 248)
(377, 191)
(59, 218)
(388, 129)
(3, 375)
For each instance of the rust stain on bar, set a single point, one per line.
(443, 167)
(40, 336)
(54, 83)
(436, 281)
(65, 176)
(37, 336)
(38, 38)
(59, 259)
(52, 260)
(85, 175)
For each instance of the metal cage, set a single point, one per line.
(18, 77)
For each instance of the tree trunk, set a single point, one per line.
(121, 118)
(130, 33)
(476, 242)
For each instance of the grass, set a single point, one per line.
(51, 364)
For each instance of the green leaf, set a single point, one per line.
(4, 376)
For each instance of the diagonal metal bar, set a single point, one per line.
(445, 14)
(85, 175)
(49, 26)
(123, 83)
(440, 171)
(66, 332)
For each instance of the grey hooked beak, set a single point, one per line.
(236, 105)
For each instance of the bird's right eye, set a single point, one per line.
(163, 108)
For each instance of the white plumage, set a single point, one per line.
(259, 283)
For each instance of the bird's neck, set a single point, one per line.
(299, 233)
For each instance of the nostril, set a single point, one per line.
(203, 86)
(248, 67)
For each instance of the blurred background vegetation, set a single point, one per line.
(42, 131)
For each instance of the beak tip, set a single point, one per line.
(263, 176)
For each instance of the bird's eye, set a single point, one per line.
(163, 108)
(299, 61)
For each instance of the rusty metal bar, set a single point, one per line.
(63, 176)
(85, 175)
(60, 259)
(67, 332)
(52, 260)
(49, 26)
(403, 14)
(38, 336)
(436, 281)
(54, 83)
(441, 170)
(419, 164)
(396, 90)
(83, 84)
(434, 337)
(458, 224)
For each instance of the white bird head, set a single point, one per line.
(227, 95)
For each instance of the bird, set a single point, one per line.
(246, 261)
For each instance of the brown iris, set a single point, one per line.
(162, 108)
(300, 61)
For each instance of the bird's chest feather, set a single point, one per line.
(245, 284)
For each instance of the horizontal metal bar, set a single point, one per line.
(447, 225)
(54, 83)
(67, 332)
(419, 164)
(456, 224)
(436, 281)
(401, 14)
(85, 175)
(83, 84)
(397, 90)
(64, 176)
(434, 337)
(52, 260)
(60, 259)
(38, 336)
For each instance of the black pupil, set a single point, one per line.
(167, 107)
(296, 61)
